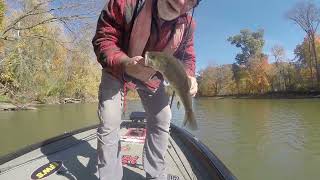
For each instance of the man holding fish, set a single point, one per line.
(126, 31)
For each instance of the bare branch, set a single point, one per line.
(307, 16)
(64, 13)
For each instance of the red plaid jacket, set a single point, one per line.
(111, 40)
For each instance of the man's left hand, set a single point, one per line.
(140, 71)
(193, 86)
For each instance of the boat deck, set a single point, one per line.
(78, 154)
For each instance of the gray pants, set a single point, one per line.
(158, 123)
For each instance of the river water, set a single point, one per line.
(256, 139)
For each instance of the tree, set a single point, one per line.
(216, 80)
(257, 75)
(306, 15)
(251, 44)
(236, 70)
(2, 12)
(279, 55)
(247, 79)
(304, 58)
(40, 61)
(72, 15)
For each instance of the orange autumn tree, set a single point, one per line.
(216, 80)
(305, 58)
(257, 75)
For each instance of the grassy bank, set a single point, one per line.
(4, 98)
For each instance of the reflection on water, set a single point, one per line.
(21, 128)
(256, 139)
(263, 139)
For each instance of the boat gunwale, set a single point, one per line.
(194, 142)
(205, 152)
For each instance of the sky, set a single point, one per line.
(216, 20)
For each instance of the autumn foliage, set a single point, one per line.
(43, 59)
(253, 74)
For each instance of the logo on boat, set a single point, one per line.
(173, 177)
(129, 160)
(46, 170)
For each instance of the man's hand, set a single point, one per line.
(132, 61)
(135, 67)
(193, 86)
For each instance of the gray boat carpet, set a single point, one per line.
(78, 156)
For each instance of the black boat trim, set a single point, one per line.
(205, 153)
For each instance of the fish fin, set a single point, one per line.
(178, 105)
(189, 83)
(146, 59)
(190, 120)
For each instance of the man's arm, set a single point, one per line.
(186, 53)
(107, 39)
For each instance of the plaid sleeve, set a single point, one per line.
(107, 40)
(186, 51)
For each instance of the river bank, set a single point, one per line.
(272, 95)
(11, 107)
(8, 105)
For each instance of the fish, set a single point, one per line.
(174, 72)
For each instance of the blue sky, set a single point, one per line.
(218, 19)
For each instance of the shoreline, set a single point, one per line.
(308, 95)
(9, 106)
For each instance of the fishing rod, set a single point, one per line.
(173, 94)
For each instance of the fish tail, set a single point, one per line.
(190, 120)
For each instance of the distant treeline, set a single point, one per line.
(256, 76)
(252, 74)
(46, 55)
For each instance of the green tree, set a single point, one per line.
(251, 44)
(251, 58)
